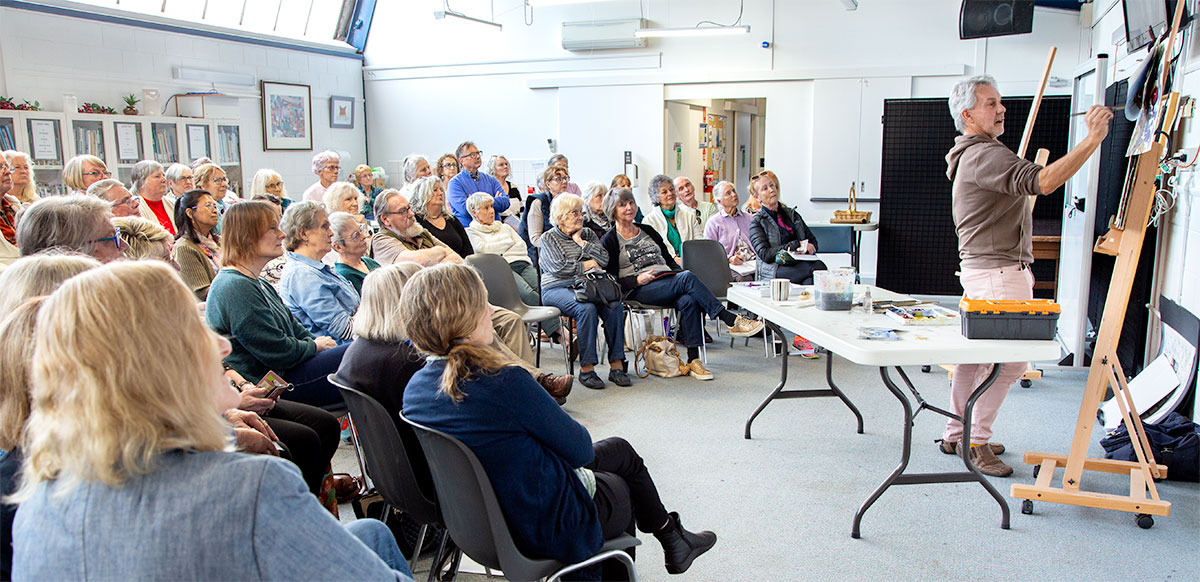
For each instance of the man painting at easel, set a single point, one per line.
(995, 244)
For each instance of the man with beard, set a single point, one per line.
(401, 239)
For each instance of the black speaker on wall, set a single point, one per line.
(984, 18)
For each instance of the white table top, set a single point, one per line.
(869, 225)
(837, 331)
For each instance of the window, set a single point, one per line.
(312, 20)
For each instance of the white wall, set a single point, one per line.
(44, 56)
(525, 88)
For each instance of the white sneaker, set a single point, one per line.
(745, 327)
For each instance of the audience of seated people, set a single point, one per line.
(562, 494)
(367, 290)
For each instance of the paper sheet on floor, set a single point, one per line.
(1149, 388)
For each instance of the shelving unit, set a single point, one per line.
(165, 142)
(129, 149)
(229, 153)
(44, 141)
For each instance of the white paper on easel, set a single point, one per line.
(1147, 389)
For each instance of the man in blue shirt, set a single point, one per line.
(469, 181)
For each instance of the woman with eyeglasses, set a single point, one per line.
(73, 223)
(536, 222)
(777, 227)
(211, 177)
(149, 183)
(247, 309)
(80, 172)
(364, 179)
(351, 243)
(143, 239)
(447, 168)
(179, 181)
(268, 182)
(322, 300)
(24, 188)
(345, 197)
(197, 247)
(326, 165)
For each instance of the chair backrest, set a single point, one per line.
(498, 279)
(468, 501)
(834, 239)
(386, 457)
(706, 259)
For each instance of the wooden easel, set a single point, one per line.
(1106, 370)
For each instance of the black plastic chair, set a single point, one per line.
(834, 238)
(476, 522)
(502, 291)
(388, 465)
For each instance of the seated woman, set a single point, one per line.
(493, 237)
(593, 213)
(428, 202)
(731, 228)
(351, 243)
(179, 181)
(143, 239)
(675, 223)
(364, 179)
(148, 181)
(536, 222)
(568, 250)
(648, 274)
(562, 494)
(265, 334)
(777, 227)
(155, 454)
(269, 183)
(321, 299)
(197, 247)
(345, 197)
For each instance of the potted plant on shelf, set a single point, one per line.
(131, 102)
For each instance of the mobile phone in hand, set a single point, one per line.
(274, 384)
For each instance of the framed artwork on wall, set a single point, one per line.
(341, 111)
(286, 116)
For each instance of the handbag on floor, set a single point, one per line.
(659, 357)
(1175, 442)
(637, 327)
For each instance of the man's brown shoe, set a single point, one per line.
(951, 447)
(557, 386)
(986, 461)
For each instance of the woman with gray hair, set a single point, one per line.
(675, 223)
(75, 223)
(149, 182)
(322, 300)
(648, 274)
(326, 166)
(493, 237)
(268, 182)
(179, 181)
(344, 197)
(416, 166)
(593, 215)
(428, 201)
(351, 242)
(112, 191)
(568, 250)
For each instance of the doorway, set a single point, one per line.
(710, 140)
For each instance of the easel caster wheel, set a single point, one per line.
(926, 369)
(1027, 507)
(1145, 521)
(1027, 383)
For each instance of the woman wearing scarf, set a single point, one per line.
(675, 223)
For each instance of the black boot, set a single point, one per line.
(681, 546)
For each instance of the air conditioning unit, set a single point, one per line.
(602, 34)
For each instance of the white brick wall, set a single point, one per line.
(44, 56)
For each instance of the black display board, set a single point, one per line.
(918, 248)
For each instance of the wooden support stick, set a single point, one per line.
(1037, 103)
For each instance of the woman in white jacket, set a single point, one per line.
(493, 237)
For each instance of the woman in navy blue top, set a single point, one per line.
(562, 495)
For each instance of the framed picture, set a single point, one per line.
(341, 111)
(286, 116)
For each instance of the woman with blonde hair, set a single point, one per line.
(447, 167)
(268, 182)
(563, 494)
(136, 441)
(24, 188)
(211, 178)
(80, 172)
(364, 179)
(344, 197)
(144, 239)
(39, 274)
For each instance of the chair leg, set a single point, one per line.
(537, 350)
(704, 344)
(437, 558)
(567, 348)
(412, 562)
(362, 467)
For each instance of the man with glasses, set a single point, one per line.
(469, 181)
(111, 191)
(9, 206)
(78, 223)
(401, 239)
(326, 165)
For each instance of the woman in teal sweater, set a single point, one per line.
(246, 309)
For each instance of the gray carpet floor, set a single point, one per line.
(782, 503)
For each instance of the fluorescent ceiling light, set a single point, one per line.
(440, 14)
(209, 76)
(692, 31)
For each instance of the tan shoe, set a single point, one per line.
(986, 461)
(745, 327)
(698, 371)
(951, 447)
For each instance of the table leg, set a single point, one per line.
(855, 246)
(779, 392)
(898, 477)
